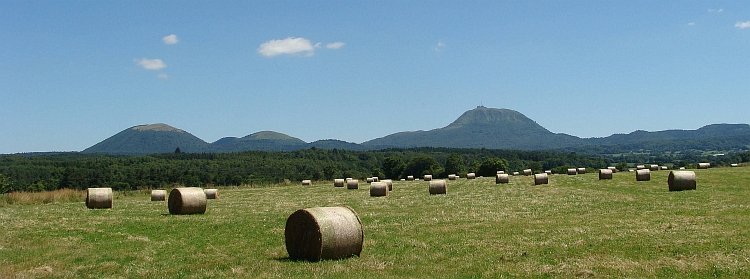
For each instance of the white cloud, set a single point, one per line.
(170, 40)
(691, 23)
(163, 76)
(289, 46)
(439, 47)
(742, 25)
(715, 10)
(336, 45)
(151, 64)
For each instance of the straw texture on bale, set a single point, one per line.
(389, 183)
(613, 169)
(427, 177)
(572, 171)
(502, 178)
(500, 172)
(605, 174)
(541, 178)
(188, 200)
(338, 182)
(471, 175)
(642, 175)
(211, 194)
(323, 233)
(158, 195)
(451, 177)
(581, 170)
(306, 182)
(681, 180)
(640, 167)
(438, 187)
(379, 189)
(410, 178)
(527, 172)
(704, 165)
(654, 167)
(352, 184)
(99, 198)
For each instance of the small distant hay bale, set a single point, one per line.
(451, 177)
(640, 167)
(541, 178)
(211, 194)
(704, 165)
(605, 174)
(613, 169)
(307, 182)
(734, 165)
(379, 189)
(188, 200)
(410, 178)
(516, 173)
(427, 177)
(348, 178)
(99, 198)
(663, 168)
(548, 172)
(352, 184)
(338, 182)
(682, 168)
(323, 233)
(500, 172)
(370, 180)
(438, 187)
(502, 178)
(375, 179)
(581, 170)
(654, 167)
(572, 171)
(642, 175)
(471, 175)
(527, 172)
(681, 180)
(158, 195)
(389, 183)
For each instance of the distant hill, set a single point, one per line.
(265, 141)
(483, 128)
(148, 139)
(705, 132)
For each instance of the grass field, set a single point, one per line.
(577, 226)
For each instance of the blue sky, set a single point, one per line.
(73, 73)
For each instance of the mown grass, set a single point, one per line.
(577, 226)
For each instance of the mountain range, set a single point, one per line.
(477, 128)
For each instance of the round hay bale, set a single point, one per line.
(451, 177)
(99, 198)
(704, 165)
(681, 180)
(348, 178)
(375, 179)
(581, 170)
(515, 173)
(158, 195)
(323, 233)
(654, 167)
(572, 171)
(410, 178)
(188, 200)
(642, 175)
(471, 175)
(605, 174)
(663, 168)
(379, 189)
(682, 168)
(527, 172)
(211, 194)
(502, 178)
(541, 178)
(338, 182)
(306, 182)
(438, 187)
(500, 172)
(613, 169)
(734, 165)
(389, 183)
(369, 180)
(548, 172)
(640, 167)
(352, 184)
(427, 177)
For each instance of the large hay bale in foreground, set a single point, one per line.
(681, 180)
(541, 178)
(389, 183)
(572, 171)
(581, 170)
(158, 195)
(323, 233)
(471, 175)
(605, 174)
(704, 165)
(99, 198)
(188, 200)
(410, 177)
(451, 177)
(352, 184)
(502, 178)
(338, 182)
(306, 182)
(527, 172)
(438, 187)
(211, 194)
(427, 177)
(378, 189)
(642, 175)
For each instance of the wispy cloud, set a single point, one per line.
(742, 25)
(336, 45)
(691, 24)
(439, 47)
(163, 76)
(715, 10)
(289, 46)
(151, 64)
(170, 40)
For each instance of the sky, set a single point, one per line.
(73, 73)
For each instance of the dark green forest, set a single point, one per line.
(21, 172)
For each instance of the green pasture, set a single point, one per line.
(576, 226)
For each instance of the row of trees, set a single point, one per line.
(257, 168)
